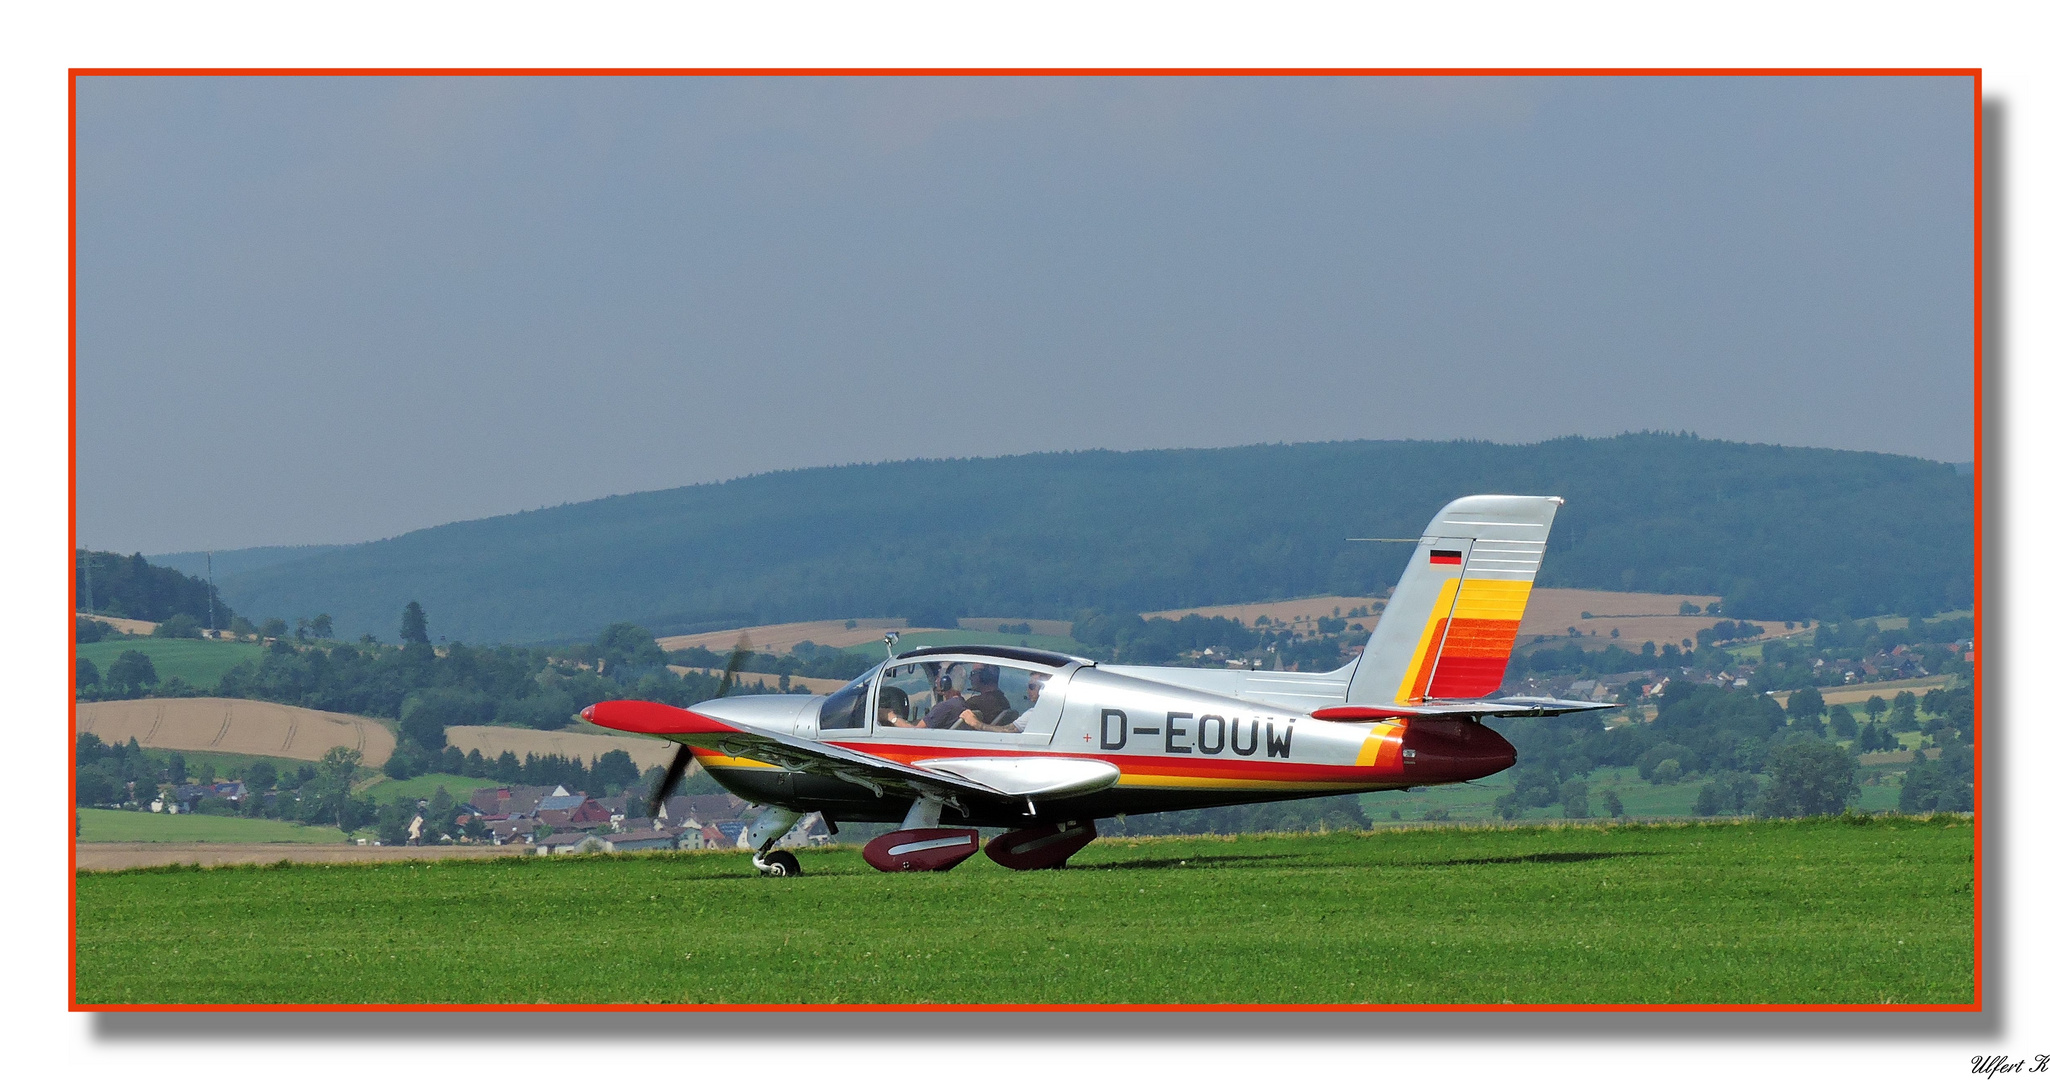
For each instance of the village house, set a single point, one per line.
(639, 840)
(568, 843)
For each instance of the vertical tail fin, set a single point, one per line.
(1449, 626)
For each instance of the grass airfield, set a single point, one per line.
(1844, 911)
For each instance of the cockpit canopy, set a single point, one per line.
(966, 689)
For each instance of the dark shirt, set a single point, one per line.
(988, 705)
(946, 713)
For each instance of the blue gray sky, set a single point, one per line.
(330, 310)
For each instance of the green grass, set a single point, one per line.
(233, 766)
(874, 649)
(1475, 802)
(132, 826)
(199, 662)
(1830, 910)
(422, 787)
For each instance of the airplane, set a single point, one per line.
(947, 740)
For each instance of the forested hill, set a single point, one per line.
(1781, 532)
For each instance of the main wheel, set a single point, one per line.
(780, 864)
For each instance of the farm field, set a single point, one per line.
(197, 661)
(492, 741)
(134, 826)
(1824, 910)
(118, 856)
(386, 789)
(778, 638)
(746, 681)
(1636, 617)
(237, 726)
(927, 638)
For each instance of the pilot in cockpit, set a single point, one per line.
(893, 708)
(948, 703)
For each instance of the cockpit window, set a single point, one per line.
(843, 708)
(964, 696)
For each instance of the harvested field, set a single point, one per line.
(1854, 694)
(493, 741)
(781, 636)
(1289, 613)
(1640, 617)
(235, 726)
(744, 681)
(126, 626)
(129, 856)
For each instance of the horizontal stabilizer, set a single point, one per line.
(1508, 706)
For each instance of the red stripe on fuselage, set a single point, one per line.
(1204, 765)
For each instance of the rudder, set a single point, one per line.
(1450, 624)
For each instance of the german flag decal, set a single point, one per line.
(1449, 558)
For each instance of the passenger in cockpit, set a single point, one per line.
(988, 709)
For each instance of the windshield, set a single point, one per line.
(843, 708)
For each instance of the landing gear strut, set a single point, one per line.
(769, 827)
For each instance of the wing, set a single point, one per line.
(945, 779)
(1508, 706)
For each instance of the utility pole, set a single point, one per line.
(209, 594)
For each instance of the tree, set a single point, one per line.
(274, 628)
(1809, 778)
(1613, 803)
(323, 626)
(260, 777)
(88, 674)
(1805, 703)
(441, 817)
(326, 796)
(1903, 718)
(1875, 707)
(1842, 724)
(180, 625)
(1573, 798)
(241, 627)
(131, 671)
(413, 624)
(395, 821)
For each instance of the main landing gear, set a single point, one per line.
(922, 845)
(1044, 848)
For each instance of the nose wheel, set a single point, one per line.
(777, 864)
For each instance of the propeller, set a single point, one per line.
(743, 650)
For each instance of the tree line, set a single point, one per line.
(128, 587)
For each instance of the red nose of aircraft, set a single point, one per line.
(1441, 749)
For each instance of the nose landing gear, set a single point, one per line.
(777, 864)
(769, 827)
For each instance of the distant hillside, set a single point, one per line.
(1779, 532)
(128, 586)
(240, 560)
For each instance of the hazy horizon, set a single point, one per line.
(1961, 465)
